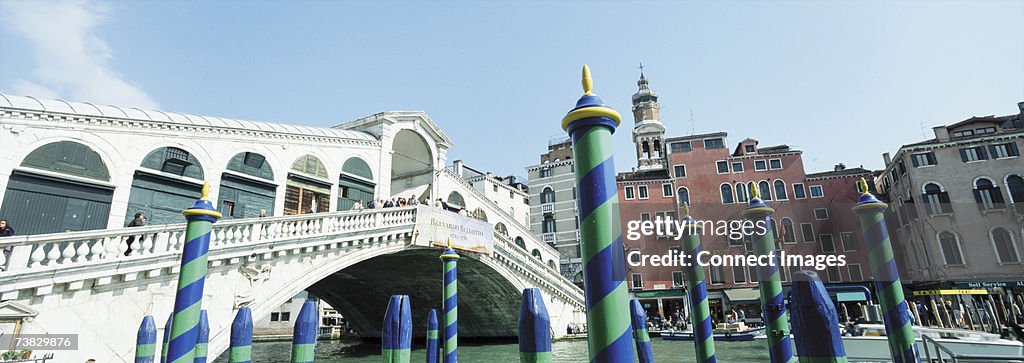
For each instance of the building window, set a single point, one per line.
(1006, 249)
(780, 190)
(723, 166)
(548, 226)
(638, 282)
(950, 245)
(683, 196)
(807, 229)
(936, 199)
(573, 193)
(547, 195)
(987, 195)
(1015, 185)
(826, 243)
(716, 275)
(986, 130)
(737, 167)
(820, 214)
(739, 274)
(741, 193)
(677, 279)
(765, 189)
(963, 133)
(816, 191)
(788, 232)
(1008, 150)
(726, 194)
(275, 316)
(642, 190)
(969, 154)
(856, 274)
(775, 164)
(753, 275)
(228, 207)
(629, 193)
(710, 144)
(680, 171)
(749, 149)
(680, 147)
(798, 191)
(833, 274)
(666, 190)
(849, 241)
(645, 216)
(760, 165)
(923, 159)
(495, 187)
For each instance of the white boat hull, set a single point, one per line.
(876, 348)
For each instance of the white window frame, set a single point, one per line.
(959, 247)
(741, 268)
(627, 191)
(732, 165)
(641, 190)
(803, 236)
(816, 214)
(860, 271)
(719, 170)
(972, 151)
(821, 191)
(770, 164)
(802, 186)
(820, 245)
(790, 231)
(922, 159)
(676, 174)
(711, 273)
(1013, 243)
(1001, 147)
(632, 281)
(775, 192)
(764, 162)
(843, 242)
(839, 274)
(682, 279)
(670, 190)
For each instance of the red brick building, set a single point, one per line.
(813, 215)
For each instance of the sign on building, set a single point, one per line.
(435, 226)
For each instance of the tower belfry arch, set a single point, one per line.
(648, 130)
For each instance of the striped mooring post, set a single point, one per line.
(304, 335)
(189, 298)
(396, 334)
(167, 339)
(887, 283)
(145, 342)
(450, 353)
(590, 125)
(815, 321)
(203, 340)
(534, 328)
(432, 348)
(241, 337)
(773, 302)
(643, 340)
(696, 287)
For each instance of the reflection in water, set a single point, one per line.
(563, 351)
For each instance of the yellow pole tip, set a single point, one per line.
(863, 183)
(206, 190)
(756, 193)
(588, 83)
(449, 242)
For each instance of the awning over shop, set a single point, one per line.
(743, 295)
(658, 293)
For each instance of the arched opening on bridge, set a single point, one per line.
(355, 184)
(168, 181)
(412, 165)
(536, 253)
(552, 265)
(488, 301)
(521, 243)
(500, 228)
(578, 279)
(455, 201)
(308, 189)
(480, 214)
(247, 187)
(60, 186)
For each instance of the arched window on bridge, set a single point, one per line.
(480, 214)
(500, 228)
(355, 183)
(45, 202)
(308, 189)
(247, 187)
(520, 242)
(160, 195)
(536, 253)
(552, 265)
(455, 201)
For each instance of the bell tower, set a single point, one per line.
(648, 131)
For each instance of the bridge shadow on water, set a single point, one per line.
(488, 302)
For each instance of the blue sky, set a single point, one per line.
(842, 81)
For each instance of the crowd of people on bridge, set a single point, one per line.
(382, 203)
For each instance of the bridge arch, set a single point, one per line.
(412, 164)
(247, 186)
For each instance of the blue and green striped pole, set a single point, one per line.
(815, 321)
(696, 286)
(591, 124)
(534, 328)
(304, 335)
(451, 305)
(396, 334)
(643, 340)
(145, 342)
(189, 299)
(432, 348)
(203, 340)
(887, 283)
(773, 303)
(167, 339)
(241, 337)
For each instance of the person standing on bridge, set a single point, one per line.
(138, 221)
(5, 228)
(412, 200)
(358, 205)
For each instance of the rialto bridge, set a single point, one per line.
(73, 174)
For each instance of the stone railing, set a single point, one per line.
(523, 260)
(37, 257)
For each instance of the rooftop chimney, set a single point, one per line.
(1020, 105)
(941, 133)
(840, 167)
(458, 167)
(887, 158)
